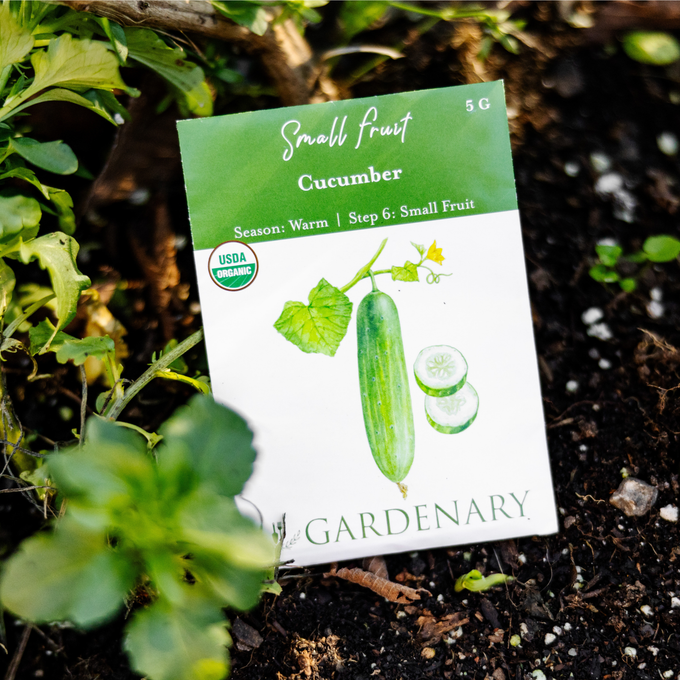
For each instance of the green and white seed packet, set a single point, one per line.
(364, 295)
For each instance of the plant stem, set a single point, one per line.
(116, 408)
(363, 272)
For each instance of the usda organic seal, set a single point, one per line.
(233, 265)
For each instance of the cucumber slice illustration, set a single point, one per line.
(440, 370)
(454, 413)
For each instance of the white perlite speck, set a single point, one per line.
(647, 610)
(630, 651)
(592, 315)
(572, 386)
(656, 294)
(600, 162)
(572, 652)
(571, 168)
(604, 364)
(549, 639)
(655, 309)
(567, 626)
(601, 331)
(669, 513)
(675, 602)
(667, 143)
(653, 650)
(610, 183)
(668, 674)
(538, 674)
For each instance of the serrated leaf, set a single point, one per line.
(16, 40)
(57, 253)
(207, 441)
(17, 213)
(320, 326)
(661, 248)
(609, 255)
(179, 643)
(78, 350)
(77, 65)
(145, 47)
(409, 272)
(71, 574)
(54, 157)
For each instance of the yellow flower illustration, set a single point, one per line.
(435, 254)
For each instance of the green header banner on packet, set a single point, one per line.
(348, 165)
(364, 298)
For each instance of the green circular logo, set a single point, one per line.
(233, 265)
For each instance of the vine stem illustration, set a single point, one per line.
(366, 270)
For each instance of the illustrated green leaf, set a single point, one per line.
(419, 248)
(661, 248)
(16, 40)
(651, 47)
(476, 582)
(70, 574)
(145, 47)
(17, 214)
(57, 253)
(54, 157)
(7, 283)
(208, 442)
(609, 255)
(409, 272)
(179, 643)
(603, 274)
(320, 326)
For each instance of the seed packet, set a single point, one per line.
(364, 295)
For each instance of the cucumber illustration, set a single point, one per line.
(455, 413)
(440, 370)
(383, 379)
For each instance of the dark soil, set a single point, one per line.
(601, 589)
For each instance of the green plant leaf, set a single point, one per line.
(208, 442)
(57, 253)
(63, 204)
(54, 157)
(603, 274)
(320, 326)
(651, 47)
(28, 176)
(628, 285)
(78, 350)
(70, 574)
(421, 249)
(358, 16)
(147, 48)
(179, 643)
(16, 40)
(76, 65)
(17, 214)
(476, 582)
(609, 255)
(7, 283)
(249, 14)
(116, 35)
(409, 272)
(661, 248)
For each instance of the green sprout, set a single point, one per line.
(476, 582)
(660, 248)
